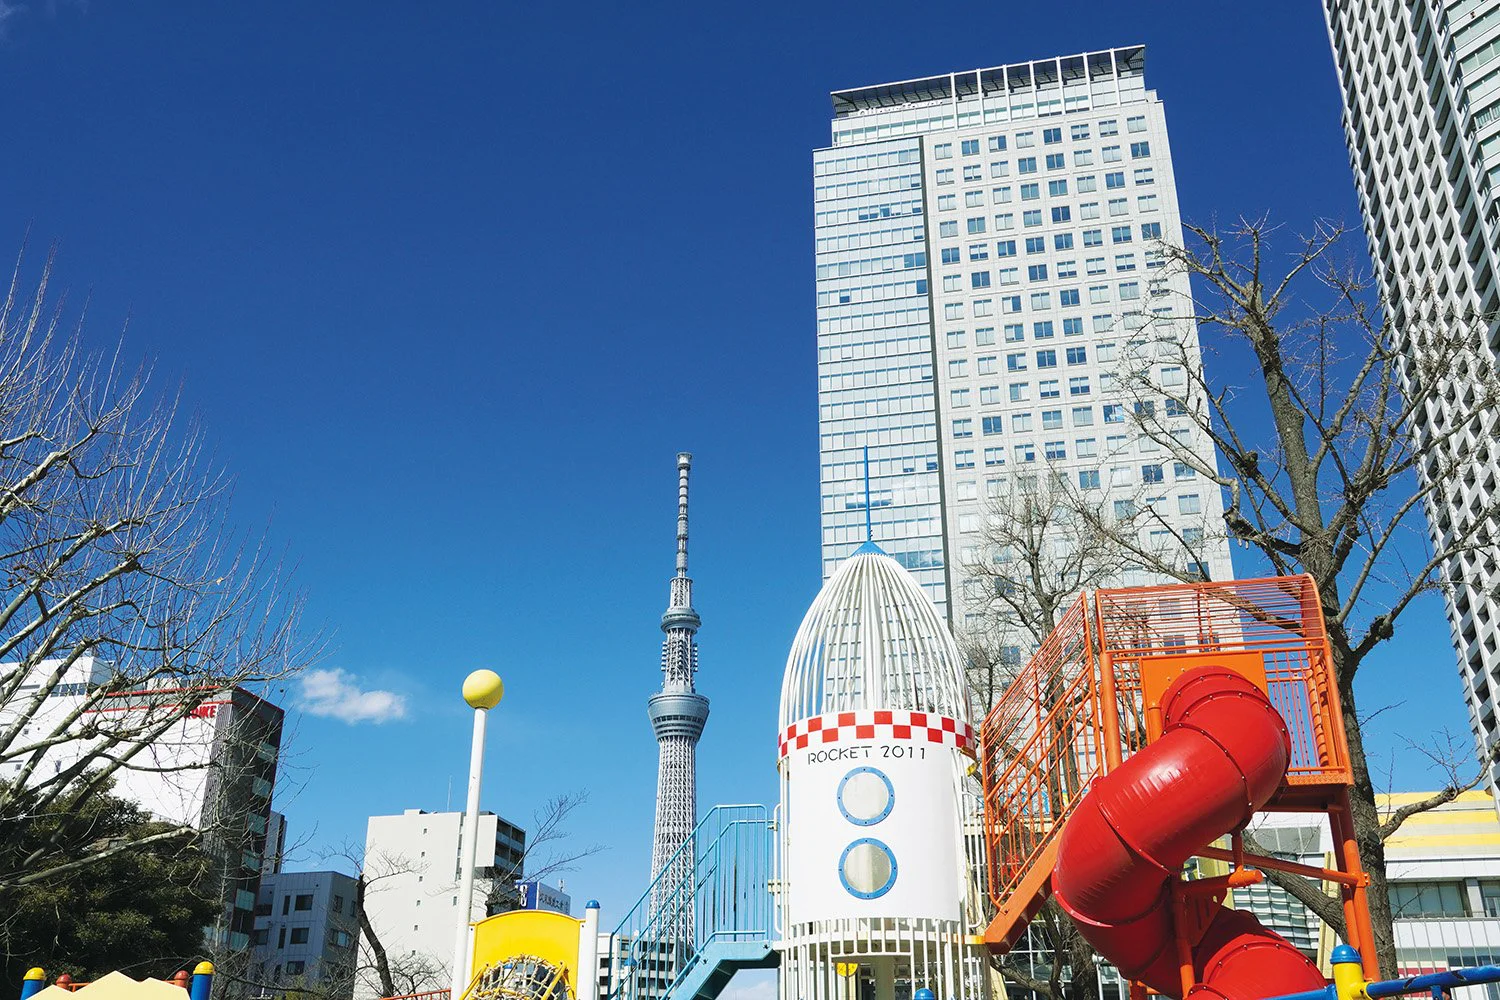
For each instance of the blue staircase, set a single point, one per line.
(700, 923)
(711, 969)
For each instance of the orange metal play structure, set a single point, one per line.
(1151, 723)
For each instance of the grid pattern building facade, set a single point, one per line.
(306, 933)
(1421, 89)
(988, 257)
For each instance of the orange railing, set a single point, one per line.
(1090, 697)
(1274, 626)
(1040, 748)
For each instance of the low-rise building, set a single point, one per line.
(412, 873)
(1443, 867)
(306, 934)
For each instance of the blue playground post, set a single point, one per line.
(924, 994)
(32, 983)
(203, 981)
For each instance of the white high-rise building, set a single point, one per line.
(1421, 88)
(412, 868)
(987, 261)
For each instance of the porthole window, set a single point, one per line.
(866, 796)
(867, 868)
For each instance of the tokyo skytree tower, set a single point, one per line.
(677, 717)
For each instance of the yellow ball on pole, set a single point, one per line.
(483, 689)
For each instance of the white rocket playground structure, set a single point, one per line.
(879, 833)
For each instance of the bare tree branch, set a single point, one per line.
(129, 605)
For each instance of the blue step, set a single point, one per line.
(714, 965)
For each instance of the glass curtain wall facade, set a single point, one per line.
(988, 255)
(1421, 88)
(875, 365)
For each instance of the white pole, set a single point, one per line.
(587, 987)
(468, 852)
(482, 690)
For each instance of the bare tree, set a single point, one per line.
(1066, 968)
(128, 606)
(549, 848)
(1314, 405)
(1039, 551)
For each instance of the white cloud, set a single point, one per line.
(336, 694)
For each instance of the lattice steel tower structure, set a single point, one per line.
(677, 717)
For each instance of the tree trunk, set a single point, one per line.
(382, 964)
(1085, 982)
(1367, 832)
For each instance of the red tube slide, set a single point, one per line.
(1222, 753)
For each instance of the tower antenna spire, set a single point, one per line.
(684, 464)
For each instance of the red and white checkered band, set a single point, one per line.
(876, 724)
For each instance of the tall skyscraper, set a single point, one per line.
(1421, 88)
(678, 713)
(987, 260)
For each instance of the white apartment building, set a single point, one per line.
(988, 258)
(1421, 88)
(212, 767)
(412, 871)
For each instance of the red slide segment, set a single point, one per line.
(1221, 756)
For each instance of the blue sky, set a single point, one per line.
(452, 283)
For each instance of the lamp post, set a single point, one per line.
(482, 690)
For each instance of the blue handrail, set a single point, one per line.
(723, 895)
(1434, 982)
(1349, 983)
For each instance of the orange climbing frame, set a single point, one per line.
(1095, 694)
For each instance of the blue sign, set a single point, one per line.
(536, 895)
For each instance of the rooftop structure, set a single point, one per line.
(1020, 90)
